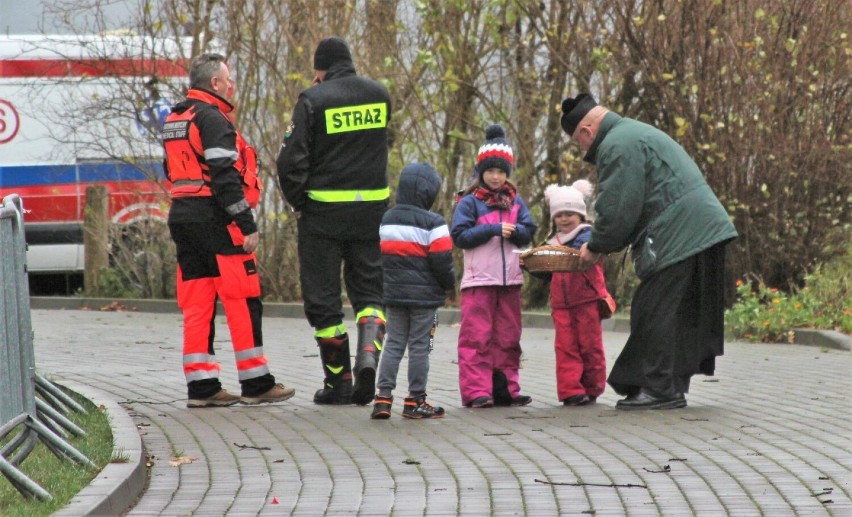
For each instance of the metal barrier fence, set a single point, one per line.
(32, 418)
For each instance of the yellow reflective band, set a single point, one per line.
(334, 370)
(371, 311)
(356, 118)
(378, 344)
(344, 196)
(334, 331)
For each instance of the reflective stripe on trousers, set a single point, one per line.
(197, 298)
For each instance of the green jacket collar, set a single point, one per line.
(608, 122)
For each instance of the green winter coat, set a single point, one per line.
(652, 196)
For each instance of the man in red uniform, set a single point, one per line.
(214, 176)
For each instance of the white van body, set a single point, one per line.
(77, 111)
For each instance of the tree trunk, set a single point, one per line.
(95, 239)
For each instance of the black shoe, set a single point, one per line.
(335, 395)
(365, 386)
(577, 400)
(480, 402)
(646, 400)
(417, 408)
(382, 408)
(521, 400)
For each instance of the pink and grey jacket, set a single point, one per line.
(489, 259)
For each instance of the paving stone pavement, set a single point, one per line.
(770, 434)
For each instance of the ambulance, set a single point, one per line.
(78, 111)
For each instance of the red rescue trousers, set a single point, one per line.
(203, 276)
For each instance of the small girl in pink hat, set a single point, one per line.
(580, 360)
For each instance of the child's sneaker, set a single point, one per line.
(417, 407)
(382, 408)
(521, 400)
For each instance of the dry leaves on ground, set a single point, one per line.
(181, 460)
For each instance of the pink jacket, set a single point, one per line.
(489, 259)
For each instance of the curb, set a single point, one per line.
(118, 485)
(540, 320)
(823, 338)
(618, 323)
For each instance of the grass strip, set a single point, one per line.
(62, 478)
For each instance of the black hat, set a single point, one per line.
(573, 111)
(495, 152)
(330, 51)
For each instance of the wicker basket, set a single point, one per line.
(549, 258)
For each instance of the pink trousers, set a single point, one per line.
(580, 359)
(489, 339)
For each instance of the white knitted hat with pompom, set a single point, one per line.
(562, 198)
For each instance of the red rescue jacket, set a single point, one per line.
(185, 165)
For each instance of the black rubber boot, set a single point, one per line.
(500, 389)
(337, 387)
(371, 336)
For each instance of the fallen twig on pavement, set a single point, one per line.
(252, 447)
(666, 469)
(611, 485)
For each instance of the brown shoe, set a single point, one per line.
(221, 398)
(277, 393)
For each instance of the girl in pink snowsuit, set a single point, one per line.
(580, 360)
(490, 222)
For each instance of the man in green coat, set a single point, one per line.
(653, 198)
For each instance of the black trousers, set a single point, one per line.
(676, 327)
(320, 260)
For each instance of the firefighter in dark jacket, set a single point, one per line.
(214, 188)
(332, 169)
